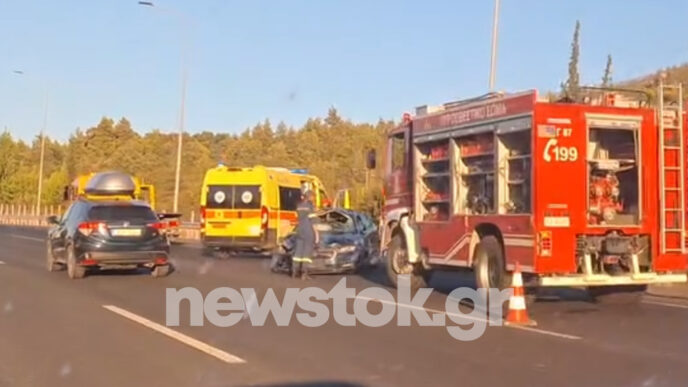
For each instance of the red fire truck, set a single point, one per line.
(586, 194)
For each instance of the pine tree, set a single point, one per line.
(572, 85)
(607, 77)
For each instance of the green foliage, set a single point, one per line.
(571, 89)
(332, 148)
(607, 77)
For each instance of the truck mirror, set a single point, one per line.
(371, 161)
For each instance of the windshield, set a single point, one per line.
(335, 222)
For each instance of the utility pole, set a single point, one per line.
(44, 126)
(493, 56)
(182, 109)
(41, 162)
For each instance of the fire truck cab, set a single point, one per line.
(588, 193)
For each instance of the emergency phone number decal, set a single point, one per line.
(553, 150)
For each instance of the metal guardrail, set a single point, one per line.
(187, 230)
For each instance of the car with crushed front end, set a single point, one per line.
(97, 234)
(348, 242)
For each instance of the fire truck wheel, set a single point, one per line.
(489, 264)
(397, 263)
(620, 295)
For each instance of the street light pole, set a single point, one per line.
(44, 126)
(493, 56)
(182, 108)
(180, 138)
(40, 163)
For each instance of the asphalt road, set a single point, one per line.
(104, 330)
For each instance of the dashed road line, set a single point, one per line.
(191, 342)
(669, 304)
(477, 319)
(27, 238)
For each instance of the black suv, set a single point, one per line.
(107, 234)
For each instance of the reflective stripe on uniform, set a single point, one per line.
(306, 260)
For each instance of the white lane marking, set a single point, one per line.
(477, 319)
(27, 238)
(191, 342)
(2, 262)
(669, 304)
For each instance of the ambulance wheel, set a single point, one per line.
(490, 271)
(397, 263)
(617, 295)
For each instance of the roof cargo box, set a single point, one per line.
(111, 183)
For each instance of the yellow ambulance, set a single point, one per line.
(253, 208)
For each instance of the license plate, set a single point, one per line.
(128, 232)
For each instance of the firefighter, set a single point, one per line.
(306, 237)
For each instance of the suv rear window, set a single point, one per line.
(233, 196)
(118, 212)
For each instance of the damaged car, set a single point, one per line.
(348, 242)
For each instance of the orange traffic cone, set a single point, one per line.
(517, 314)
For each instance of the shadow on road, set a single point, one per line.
(123, 272)
(320, 383)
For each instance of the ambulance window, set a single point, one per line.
(323, 198)
(289, 198)
(397, 151)
(247, 196)
(220, 196)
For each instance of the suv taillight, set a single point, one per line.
(87, 228)
(157, 225)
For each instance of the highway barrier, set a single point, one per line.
(29, 216)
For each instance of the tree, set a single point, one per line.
(571, 88)
(607, 77)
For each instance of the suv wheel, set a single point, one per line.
(74, 271)
(51, 263)
(161, 271)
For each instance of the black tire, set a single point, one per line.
(160, 271)
(617, 295)
(489, 268)
(397, 263)
(50, 261)
(74, 270)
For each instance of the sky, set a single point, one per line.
(288, 60)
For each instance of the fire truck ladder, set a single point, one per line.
(671, 158)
